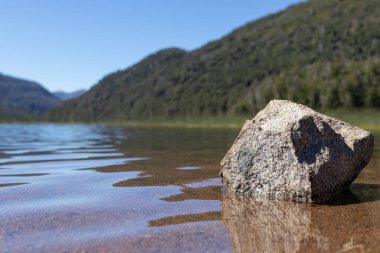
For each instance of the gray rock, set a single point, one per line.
(290, 152)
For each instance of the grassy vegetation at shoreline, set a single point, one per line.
(211, 122)
(368, 119)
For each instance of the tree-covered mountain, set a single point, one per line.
(22, 99)
(62, 95)
(322, 53)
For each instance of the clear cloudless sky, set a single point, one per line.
(71, 44)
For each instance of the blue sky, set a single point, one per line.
(71, 44)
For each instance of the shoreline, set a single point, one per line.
(368, 119)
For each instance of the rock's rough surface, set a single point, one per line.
(290, 152)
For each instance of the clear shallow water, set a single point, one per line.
(93, 188)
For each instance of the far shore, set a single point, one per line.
(368, 119)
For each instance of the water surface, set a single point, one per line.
(78, 188)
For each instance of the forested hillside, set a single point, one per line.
(322, 53)
(22, 99)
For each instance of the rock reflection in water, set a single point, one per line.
(283, 227)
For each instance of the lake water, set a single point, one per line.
(93, 188)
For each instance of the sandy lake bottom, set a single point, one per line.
(94, 188)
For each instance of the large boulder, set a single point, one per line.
(290, 152)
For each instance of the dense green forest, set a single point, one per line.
(322, 53)
(326, 85)
(23, 100)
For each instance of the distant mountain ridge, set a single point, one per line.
(322, 53)
(62, 95)
(23, 99)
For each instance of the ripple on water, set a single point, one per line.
(98, 188)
